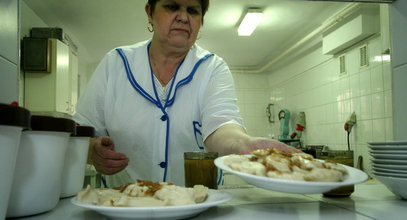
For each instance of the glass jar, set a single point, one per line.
(200, 169)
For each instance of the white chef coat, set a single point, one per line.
(122, 101)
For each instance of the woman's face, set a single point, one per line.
(176, 22)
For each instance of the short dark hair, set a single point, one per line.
(204, 5)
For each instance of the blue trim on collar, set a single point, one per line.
(133, 81)
(186, 80)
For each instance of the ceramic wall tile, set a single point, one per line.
(364, 82)
(377, 81)
(344, 87)
(354, 85)
(378, 105)
(336, 111)
(389, 129)
(345, 110)
(335, 91)
(363, 131)
(365, 107)
(388, 107)
(328, 109)
(352, 59)
(378, 130)
(356, 106)
(387, 84)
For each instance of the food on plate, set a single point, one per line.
(144, 194)
(272, 162)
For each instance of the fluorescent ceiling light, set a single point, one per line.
(250, 22)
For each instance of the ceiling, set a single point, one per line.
(97, 26)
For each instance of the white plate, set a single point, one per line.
(399, 175)
(403, 152)
(390, 156)
(388, 147)
(390, 166)
(387, 161)
(390, 171)
(354, 176)
(388, 143)
(215, 197)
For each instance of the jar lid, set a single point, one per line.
(84, 131)
(48, 123)
(14, 116)
(200, 155)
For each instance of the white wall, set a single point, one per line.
(252, 91)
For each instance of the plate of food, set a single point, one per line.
(150, 200)
(275, 170)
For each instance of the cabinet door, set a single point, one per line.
(9, 30)
(73, 71)
(63, 79)
(8, 82)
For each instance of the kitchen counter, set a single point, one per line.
(371, 200)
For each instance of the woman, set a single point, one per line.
(160, 98)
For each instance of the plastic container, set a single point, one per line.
(75, 161)
(13, 120)
(38, 174)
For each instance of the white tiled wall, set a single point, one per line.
(252, 91)
(313, 84)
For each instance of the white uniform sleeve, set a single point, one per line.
(220, 106)
(90, 109)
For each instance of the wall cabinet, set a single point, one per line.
(50, 93)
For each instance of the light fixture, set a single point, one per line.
(250, 21)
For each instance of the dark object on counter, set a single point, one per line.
(310, 151)
(14, 116)
(47, 32)
(47, 123)
(36, 55)
(84, 131)
(344, 157)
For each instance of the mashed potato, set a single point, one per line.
(272, 162)
(144, 194)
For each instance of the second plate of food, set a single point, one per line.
(354, 176)
(215, 198)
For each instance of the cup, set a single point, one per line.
(341, 157)
(200, 169)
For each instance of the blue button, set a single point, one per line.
(163, 164)
(164, 117)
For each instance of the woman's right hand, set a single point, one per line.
(103, 157)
